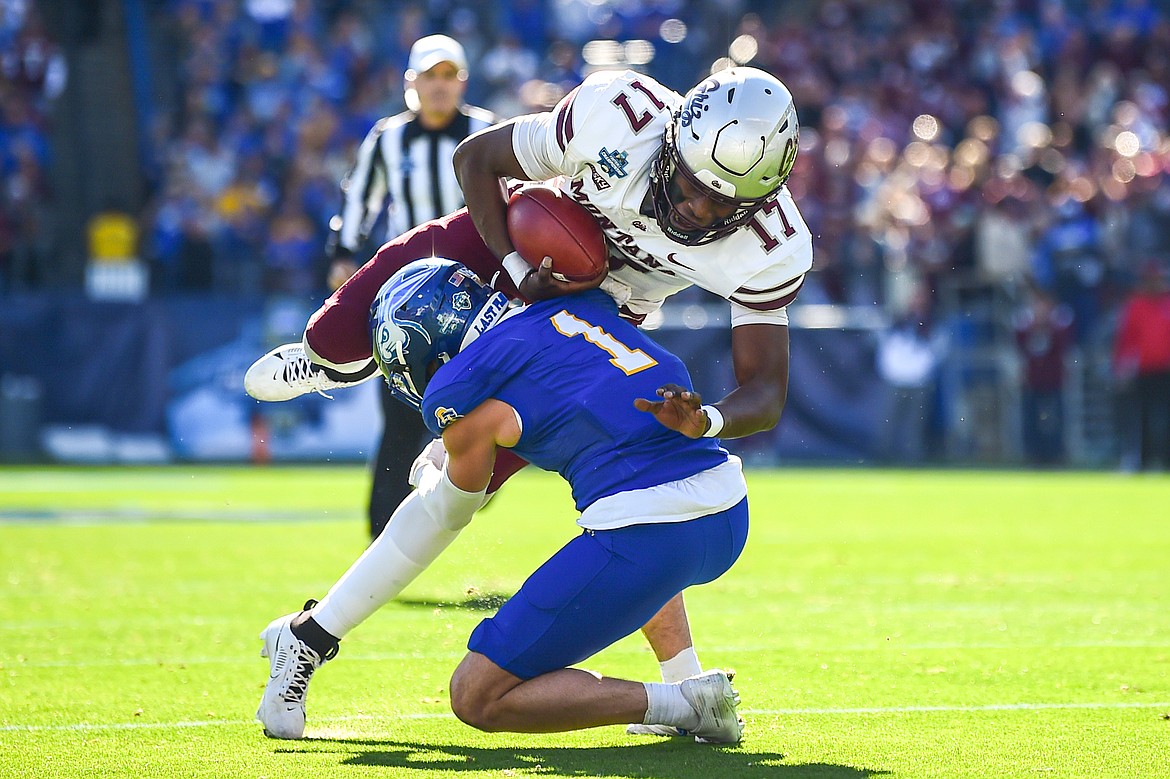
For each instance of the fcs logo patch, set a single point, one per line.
(614, 163)
(445, 416)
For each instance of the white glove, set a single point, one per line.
(433, 455)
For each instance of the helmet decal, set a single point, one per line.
(692, 109)
(423, 316)
(388, 340)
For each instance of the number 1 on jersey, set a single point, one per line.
(630, 361)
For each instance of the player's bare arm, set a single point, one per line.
(760, 358)
(481, 162)
(471, 443)
(759, 355)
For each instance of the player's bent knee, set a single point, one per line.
(470, 703)
(477, 687)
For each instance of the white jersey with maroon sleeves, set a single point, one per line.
(601, 142)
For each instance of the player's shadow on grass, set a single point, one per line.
(487, 601)
(663, 758)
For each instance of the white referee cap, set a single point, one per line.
(433, 49)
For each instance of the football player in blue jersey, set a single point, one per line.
(571, 387)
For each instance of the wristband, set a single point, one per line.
(716, 419)
(516, 267)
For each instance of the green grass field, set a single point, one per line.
(883, 624)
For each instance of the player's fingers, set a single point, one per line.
(544, 272)
(646, 405)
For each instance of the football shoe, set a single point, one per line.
(286, 373)
(291, 664)
(713, 698)
(639, 729)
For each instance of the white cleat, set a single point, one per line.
(639, 729)
(286, 373)
(291, 663)
(714, 700)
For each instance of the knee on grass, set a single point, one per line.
(476, 698)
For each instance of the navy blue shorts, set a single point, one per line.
(604, 585)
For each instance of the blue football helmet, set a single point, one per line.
(423, 316)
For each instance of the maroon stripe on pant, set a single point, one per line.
(339, 331)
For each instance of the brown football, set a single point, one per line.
(545, 222)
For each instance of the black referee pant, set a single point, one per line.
(403, 437)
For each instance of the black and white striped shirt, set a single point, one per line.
(406, 169)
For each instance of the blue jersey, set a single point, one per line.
(571, 367)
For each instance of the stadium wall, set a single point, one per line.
(86, 381)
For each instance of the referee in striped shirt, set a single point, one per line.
(404, 167)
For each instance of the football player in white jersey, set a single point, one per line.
(689, 190)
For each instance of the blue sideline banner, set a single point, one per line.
(162, 380)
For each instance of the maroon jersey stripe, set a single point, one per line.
(637, 319)
(777, 288)
(565, 120)
(769, 305)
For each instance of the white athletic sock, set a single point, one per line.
(667, 706)
(682, 666)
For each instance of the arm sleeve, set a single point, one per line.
(747, 316)
(363, 191)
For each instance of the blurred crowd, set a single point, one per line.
(1016, 144)
(952, 151)
(1008, 144)
(32, 75)
(277, 95)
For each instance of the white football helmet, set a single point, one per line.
(736, 138)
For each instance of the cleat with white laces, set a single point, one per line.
(714, 700)
(291, 664)
(286, 373)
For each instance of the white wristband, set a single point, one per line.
(716, 421)
(516, 266)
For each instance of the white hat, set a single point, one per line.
(433, 49)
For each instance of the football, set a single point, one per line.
(545, 222)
